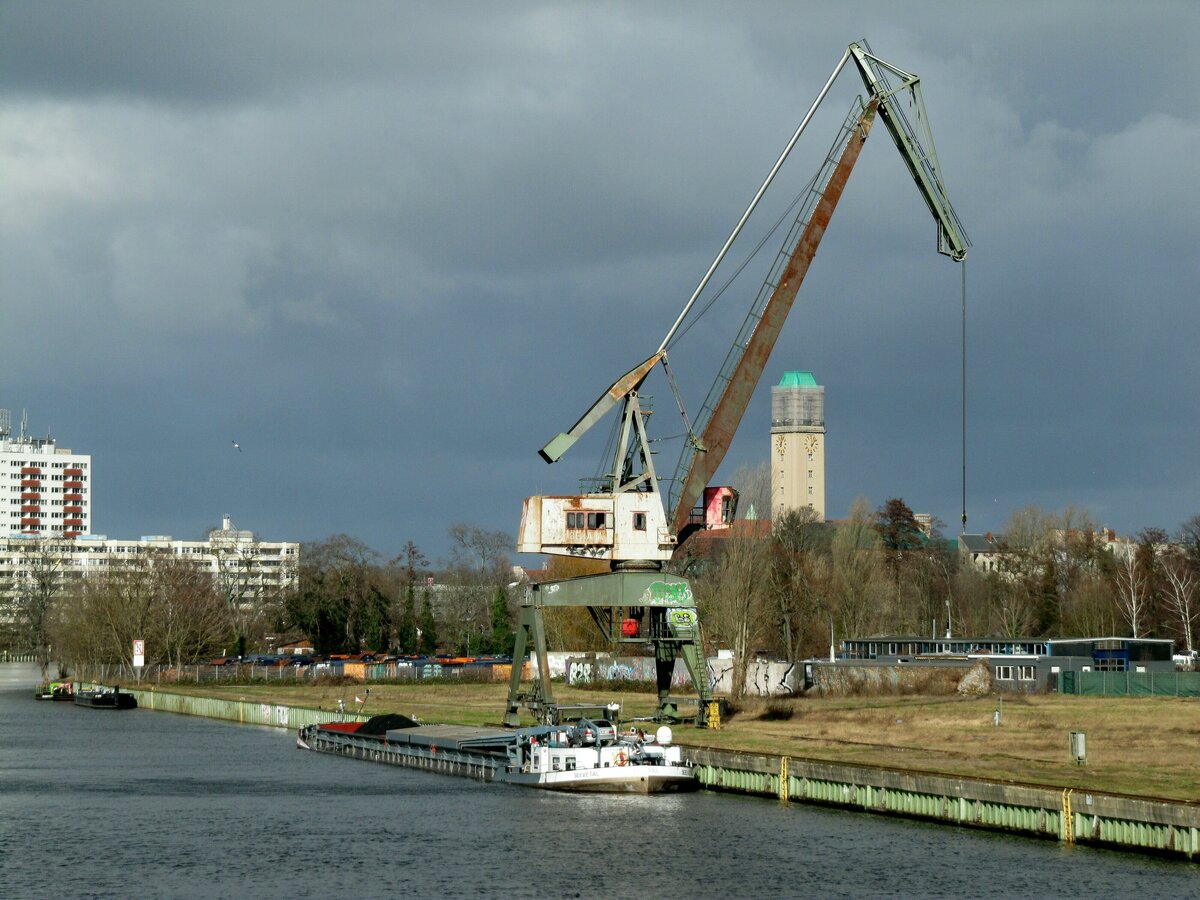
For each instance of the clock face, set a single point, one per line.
(810, 443)
(780, 443)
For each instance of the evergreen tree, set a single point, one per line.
(503, 639)
(406, 632)
(428, 645)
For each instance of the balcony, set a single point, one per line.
(72, 471)
(70, 522)
(31, 495)
(67, 498)
(31, 482)
(31, 470)
(70, 484)
(73, 509)
(30, 507)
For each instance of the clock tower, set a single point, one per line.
(797, 444)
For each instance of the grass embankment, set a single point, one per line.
(1148, 746)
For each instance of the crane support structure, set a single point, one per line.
(630, 608)
(746, 361)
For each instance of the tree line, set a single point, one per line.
(345, 598)
(788, 589)
(793, 588)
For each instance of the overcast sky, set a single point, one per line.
(391, 249)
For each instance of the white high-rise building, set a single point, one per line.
(797, 445)
(45, 490)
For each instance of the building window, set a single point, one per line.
(1025, 673)
(1004, 673)
(639, 521)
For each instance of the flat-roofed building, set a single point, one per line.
(243, 568)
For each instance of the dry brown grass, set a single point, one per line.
(1148, 746)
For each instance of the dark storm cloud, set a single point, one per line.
(393, 248)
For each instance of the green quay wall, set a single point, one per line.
(244, 712)
(1065, 814)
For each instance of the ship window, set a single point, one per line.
(574, 520)
(595, 520)
(639, 521)
(570, 763)
(556, 763)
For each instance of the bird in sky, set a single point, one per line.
(236, 446)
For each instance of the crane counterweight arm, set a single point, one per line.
(744, 374)
(616, 394)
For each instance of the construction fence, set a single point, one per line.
(1130, 684)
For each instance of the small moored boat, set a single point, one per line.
(105, 698)
(56, 690)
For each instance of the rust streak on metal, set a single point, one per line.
(718, 434)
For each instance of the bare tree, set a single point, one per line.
(105, 613)
(797, 576)
(1090, 607)
(1132, 586)
(189, 619)
(1180, 596)
(36, 584)
(857, 584)
(479, 565)
(734, 600)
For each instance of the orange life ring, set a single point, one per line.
(621, 758)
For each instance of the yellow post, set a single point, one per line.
(783, 779)
(714, 714)
(1068, 818)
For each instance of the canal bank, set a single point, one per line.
(1167, 827)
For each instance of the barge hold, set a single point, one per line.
(588, 755)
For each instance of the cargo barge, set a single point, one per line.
(588, 755)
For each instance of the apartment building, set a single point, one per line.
(242, 567)
(45, 490)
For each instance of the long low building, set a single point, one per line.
(240, 564)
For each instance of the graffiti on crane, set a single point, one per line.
(682, 618)
(661, 593)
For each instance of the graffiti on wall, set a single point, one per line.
(588, 670)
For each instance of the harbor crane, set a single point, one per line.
(625, 520)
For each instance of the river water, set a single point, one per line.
(97, 803)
